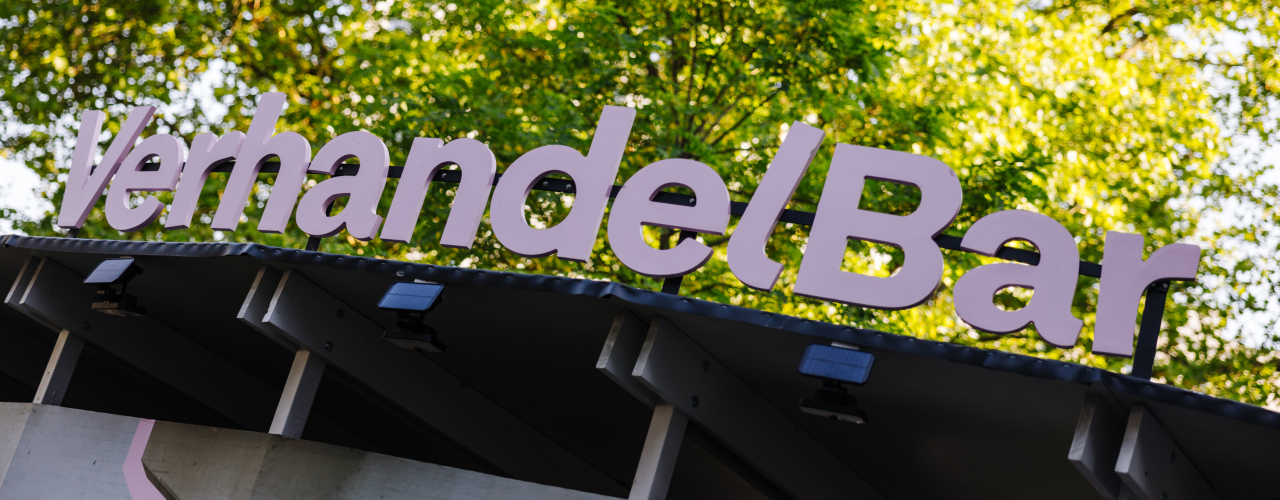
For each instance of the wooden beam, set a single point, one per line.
(299, 392)
(62, 363)
(1153, 466)
(681, 372)
(621, 349)
(19, 289)
(1096, 444)
(658, 459)
(58, 297)
(306, 315)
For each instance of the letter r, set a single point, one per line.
(1124, 277)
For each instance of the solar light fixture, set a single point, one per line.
(835, 366)
(412, 300)
(108, 275)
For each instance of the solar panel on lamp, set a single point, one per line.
(835, 363)
(410, 296)
(112, 271)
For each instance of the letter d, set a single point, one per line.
(574, 237)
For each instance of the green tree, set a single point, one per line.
(1102, 115)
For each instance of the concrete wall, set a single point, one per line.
(52, 452)
(49, 452)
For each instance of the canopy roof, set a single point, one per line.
(945, 421)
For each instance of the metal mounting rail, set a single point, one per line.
(552, 184)
(1152, 313)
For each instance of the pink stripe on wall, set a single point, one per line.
(135, 476)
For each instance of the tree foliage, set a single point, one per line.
(1102, 115)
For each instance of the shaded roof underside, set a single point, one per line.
(946, 421)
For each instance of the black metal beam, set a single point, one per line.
(313, 242)
(672, 285)
(1090, 269)
(1144, 357)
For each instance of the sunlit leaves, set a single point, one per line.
(1100, 115)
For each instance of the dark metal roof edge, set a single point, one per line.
(990, 359)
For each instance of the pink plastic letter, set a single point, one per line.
(635, 208)
(135, 473)
(131, 179)
(1053, 279)
(477, 166)
(207, 152)
(574, 237)
(85, 183)
(1124, 276)
(360, 216)
(839, 220)
(260, 145)
(746, 252)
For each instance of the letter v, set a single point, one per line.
(86, 183)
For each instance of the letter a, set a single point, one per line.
(1053, 279)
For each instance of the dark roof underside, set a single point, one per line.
(946, 421)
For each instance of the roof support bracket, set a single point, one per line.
(1152, 466)
(62, 363)
(296, 311)
(621, 349)
(666, 429)
(299, 392)
(695, 384)
(1096, 445)
(1132, 459)
(21, 285)
(58, 298)
(658, 460)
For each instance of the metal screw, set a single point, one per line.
(328, 346)
(695, 401)
(691, 200)
(341, 313)
(568, 186)
(544, 183)
(85, 325)
(706, 366)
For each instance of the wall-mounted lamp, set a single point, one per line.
(835, 366)
(412, 301)
(109, 274)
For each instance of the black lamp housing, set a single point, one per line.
(412, 300)
(109, 274)
(835, 366)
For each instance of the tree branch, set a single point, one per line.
(1129, 52)
(744, 118)
(711, 286)
(1115, 21)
